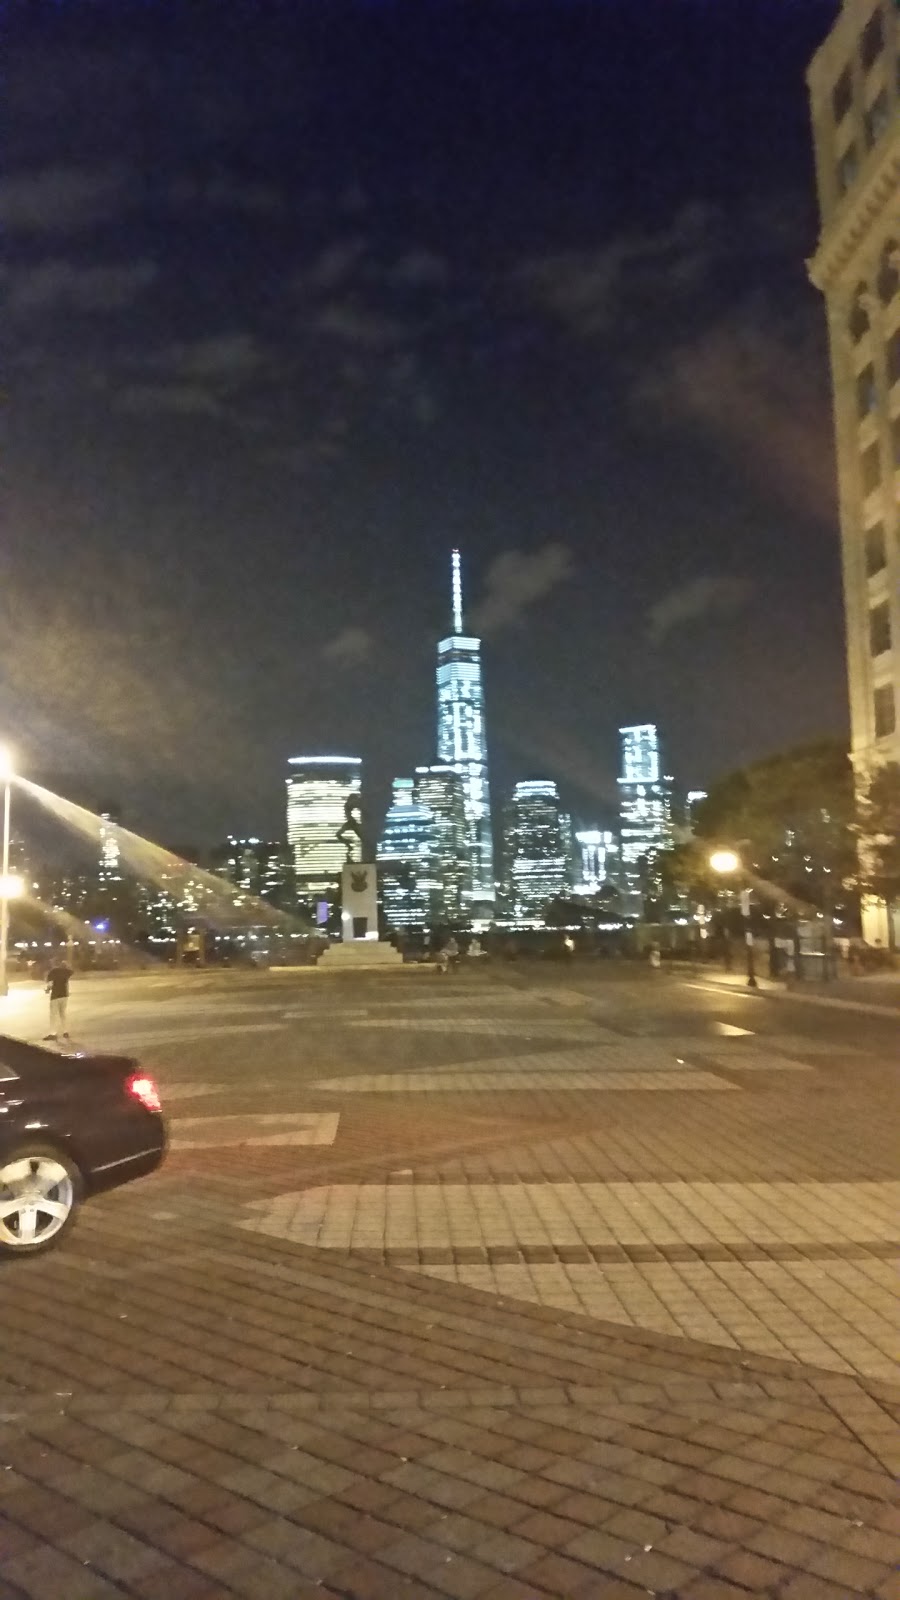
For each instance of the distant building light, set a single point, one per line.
(310, 761)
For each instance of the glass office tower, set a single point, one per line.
(535, 847)
(404, 856)
(440, 788)
(318, 788)
(462, 744)
(645, 809)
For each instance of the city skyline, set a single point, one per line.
(256, 396)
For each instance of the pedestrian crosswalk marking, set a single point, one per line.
(775, 1268)
(500, 1082)
(277, 1128)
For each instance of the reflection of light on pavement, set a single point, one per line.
(19, 999)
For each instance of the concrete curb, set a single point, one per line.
(775, 993)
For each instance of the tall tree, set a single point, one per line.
(791, 817)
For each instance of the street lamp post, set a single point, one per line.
(748, 940)
(726, 862)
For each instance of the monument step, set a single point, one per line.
(361, 953)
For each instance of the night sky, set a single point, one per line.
(298, 296)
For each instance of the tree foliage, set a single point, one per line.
(878, 830)
(790, 817)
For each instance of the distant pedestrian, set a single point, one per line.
(57, 988)
(448, 955)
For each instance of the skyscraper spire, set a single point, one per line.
(457, 594)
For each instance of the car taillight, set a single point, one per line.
(144, 1089)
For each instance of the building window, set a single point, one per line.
(885, 712)
(871, 469)
(888, 272)
(892, 357)
(876, 554)
(847, 168)
(842, 95)
(877, 118)
(866, 392)
(880, 629)
(871, 41)
(858, 321)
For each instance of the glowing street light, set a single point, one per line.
(727, 862)
(6, 777)
(11, 886)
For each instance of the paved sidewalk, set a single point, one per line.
(875, 995)
(506, 1293)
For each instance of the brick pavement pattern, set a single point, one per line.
(503, 1339)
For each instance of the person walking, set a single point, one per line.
(58, 989)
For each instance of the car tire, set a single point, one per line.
(40, 1192)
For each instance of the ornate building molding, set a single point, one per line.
(846, 236)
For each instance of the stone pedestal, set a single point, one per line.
(360, 945)
(359, 902)
(359, 955)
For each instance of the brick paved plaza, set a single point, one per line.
(534, 1282)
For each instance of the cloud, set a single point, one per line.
(586, 290)
(197, 378)
(60, 199)
(349, 648)
(226, 193)
(57, 285)
(694, 601)
(355, 324)
(756, 382)
(332, 266)
(224, 358)
(515, 581)
(182, 399)
(419, 269)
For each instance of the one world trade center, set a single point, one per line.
(462, 744)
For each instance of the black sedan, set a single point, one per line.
(70, 1126)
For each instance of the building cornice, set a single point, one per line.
(845, 237)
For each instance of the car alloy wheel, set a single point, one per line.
(39, 1194)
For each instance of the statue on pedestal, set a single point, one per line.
(351, 828)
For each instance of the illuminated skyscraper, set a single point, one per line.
(263, 868)
(318, 788)
(109, 869)
(645, 808)
(599, 859)
(462, 744)
(535, 847)
(405, 862)
(440, 788)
